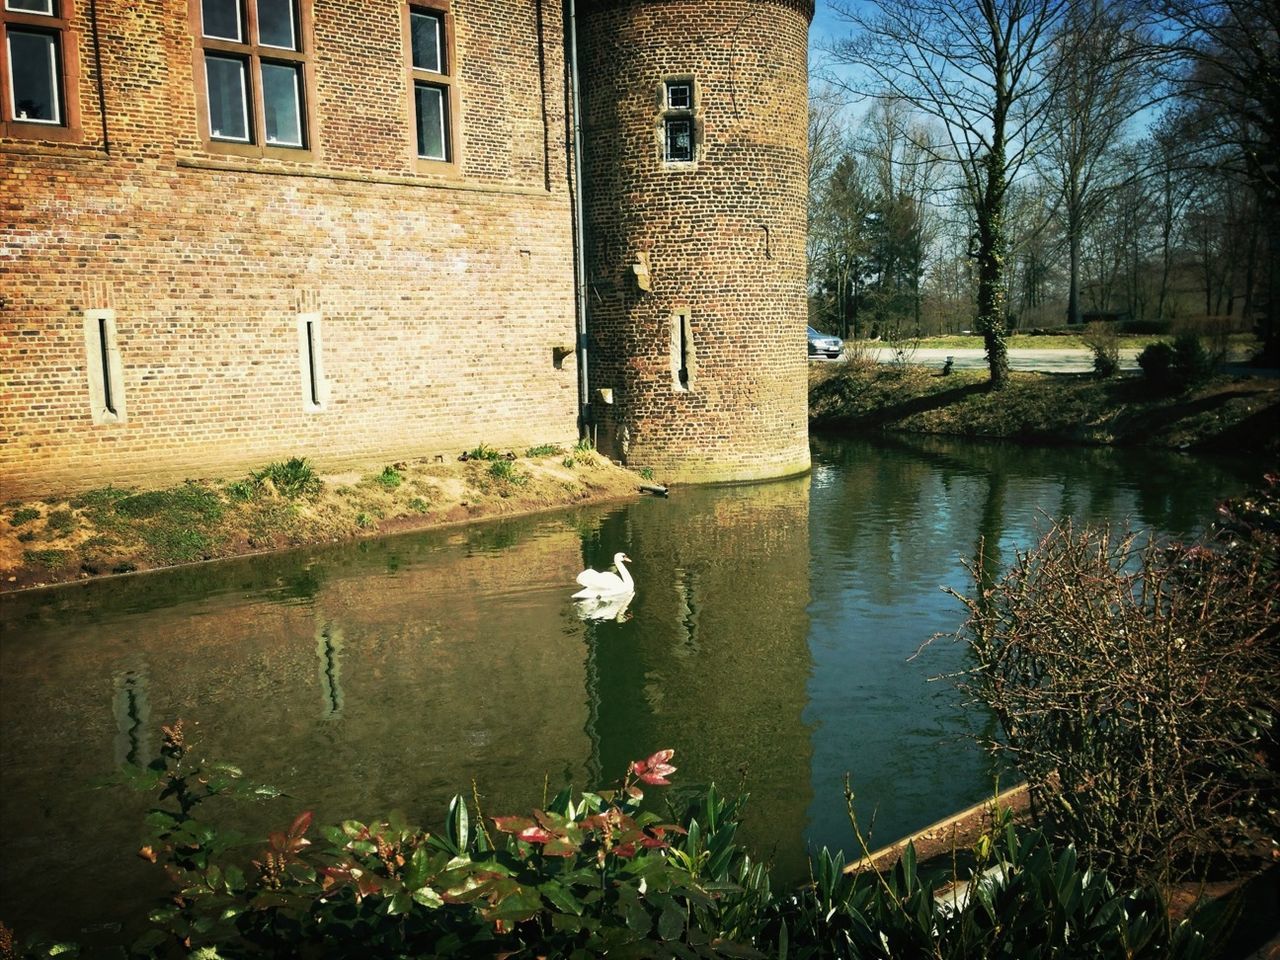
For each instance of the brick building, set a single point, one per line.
(237, 230)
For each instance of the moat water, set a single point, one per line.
(772, 642)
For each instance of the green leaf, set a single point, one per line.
(671, 923)
(458, 825)
(399, 904)
(562, 898)
(428, 898)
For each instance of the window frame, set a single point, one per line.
(684, 113)
(446, 80)
(254, 53)
(67, 73)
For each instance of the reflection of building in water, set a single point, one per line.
(717, 660)
(329, 651)
(131, 707)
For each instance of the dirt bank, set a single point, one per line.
(1228, 413)
(114, 530)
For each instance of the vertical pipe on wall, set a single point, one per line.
(573, 90)
(97, 69)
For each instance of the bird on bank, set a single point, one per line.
(603, 583)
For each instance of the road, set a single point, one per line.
(1044, 361)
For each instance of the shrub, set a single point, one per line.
(1101, 338)
(1137, 687)
(1156, 361)
(1191, 362)
(291, 478)
(1148, 327)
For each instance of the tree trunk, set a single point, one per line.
(991, 257)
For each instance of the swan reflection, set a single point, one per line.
(605, 608)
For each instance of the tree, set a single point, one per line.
(976, 67)
(1223, 57)
(1098, 60)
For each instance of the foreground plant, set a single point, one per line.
(1137, 686)
(600, 875)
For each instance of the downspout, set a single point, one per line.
(572, 90)
(97, 69)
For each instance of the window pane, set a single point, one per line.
(33, 76)
(679, 96)
(282, 103)
(679, 140)
(278, 24)
(426, 31)
(228, 104)
(31, 6)
(222, 19)
(430, 108)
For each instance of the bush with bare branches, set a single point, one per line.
(1137, 686)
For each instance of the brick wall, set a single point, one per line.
(441, 297)
(722, 238)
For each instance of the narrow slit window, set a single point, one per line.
(680, 140)
(104, 355)
(315, 390)
(683, 360)
(678, 125)
(106, 372)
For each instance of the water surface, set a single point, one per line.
(770, 643)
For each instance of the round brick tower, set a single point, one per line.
(694, 120)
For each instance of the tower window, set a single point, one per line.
(680, 96)
(683, 360)
(679, 140)
(679, 127)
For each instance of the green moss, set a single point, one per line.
(49, 559)
(24, 515)
(59, 523)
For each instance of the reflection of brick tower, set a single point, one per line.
(694, 119)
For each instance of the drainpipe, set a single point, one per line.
(97, 69)
(572, 90)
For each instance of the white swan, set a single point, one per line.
(597, 584)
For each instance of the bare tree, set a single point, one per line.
(1223, 54)
(1103, 81)
(975, 66)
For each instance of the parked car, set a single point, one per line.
(824, 345)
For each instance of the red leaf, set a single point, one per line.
(512, 824)
(301, 824)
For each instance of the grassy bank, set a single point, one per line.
(113, 530)
(1227, 413)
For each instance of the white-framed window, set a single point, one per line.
(255, 73)
(432, 82)
(38, 70)
(679, 129)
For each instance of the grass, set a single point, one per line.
(48, 559)
(59, 523)
(544, 450)
(507, 472)
(291, 478)
(389, 478)
(483, 452)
